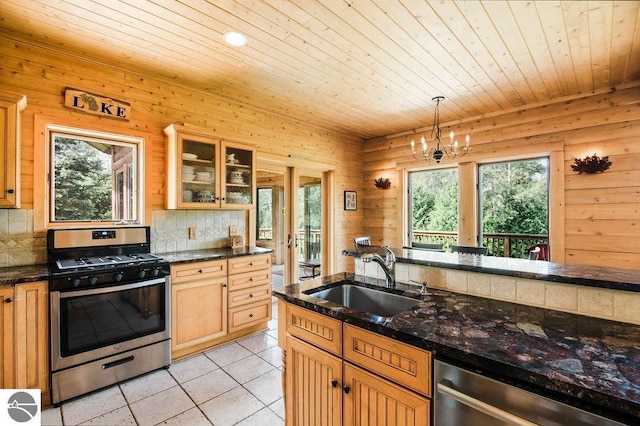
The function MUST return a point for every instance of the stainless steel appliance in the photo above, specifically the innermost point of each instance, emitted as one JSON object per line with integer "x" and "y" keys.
{"x": 109, "y": 308}
{"x": 466, "y": 398}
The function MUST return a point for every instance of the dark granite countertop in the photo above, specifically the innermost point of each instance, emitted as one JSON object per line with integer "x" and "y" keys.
{"x": 210, "y": 254}
{"x": 594, "y": 276}
{"x": 584, "y": 361}
{"x": 23, "y": 274}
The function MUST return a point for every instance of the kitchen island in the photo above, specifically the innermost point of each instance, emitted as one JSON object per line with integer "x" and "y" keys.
{"x": 583, "y": 361}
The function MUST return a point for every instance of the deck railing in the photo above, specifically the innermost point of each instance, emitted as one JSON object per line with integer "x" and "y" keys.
{"x": 503, "y": 245}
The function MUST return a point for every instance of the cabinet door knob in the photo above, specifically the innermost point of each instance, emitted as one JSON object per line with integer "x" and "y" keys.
{"x": 224, "y": 285}
{"x": 347, "y": 389}
{"x": 251, "y": 279}
{"x": 334, "y": 383}
{"x": 8, "y": 300}
{"x": 250, "y": 315}
{"x": 250, "y": 263}
{"x": 10, "y": 191}
{"x": 251, "y": 295}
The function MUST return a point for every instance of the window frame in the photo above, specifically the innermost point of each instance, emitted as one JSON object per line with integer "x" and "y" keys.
{"x": 43, "y": 172}
{"x": 528, "y": 157}
{"x": 409, "y": 201}
{"x": 467, "y": 187}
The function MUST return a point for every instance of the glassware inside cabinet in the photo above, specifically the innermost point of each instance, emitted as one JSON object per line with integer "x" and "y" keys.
{"x": 239, "y": 179}
{"x": 198, "y": 172}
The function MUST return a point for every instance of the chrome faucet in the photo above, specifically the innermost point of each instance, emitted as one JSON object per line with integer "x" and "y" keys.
{"x": 387, "y": 264}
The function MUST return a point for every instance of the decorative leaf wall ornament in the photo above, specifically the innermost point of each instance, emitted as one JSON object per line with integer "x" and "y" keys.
{"x": 592, "y": 164}
{"x": 382, "y": 183}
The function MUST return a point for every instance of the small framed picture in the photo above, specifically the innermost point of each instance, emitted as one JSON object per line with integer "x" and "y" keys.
{"x": 350, "y": 200}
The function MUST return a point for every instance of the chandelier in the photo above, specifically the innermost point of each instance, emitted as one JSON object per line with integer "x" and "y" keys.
{"x": 451, "y": 150}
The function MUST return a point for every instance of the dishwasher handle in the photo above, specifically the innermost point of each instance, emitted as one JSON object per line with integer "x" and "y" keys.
{"x": 444, "y": 387}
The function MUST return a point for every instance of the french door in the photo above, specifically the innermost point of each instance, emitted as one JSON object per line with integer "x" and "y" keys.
{"x": 302, "y": 219}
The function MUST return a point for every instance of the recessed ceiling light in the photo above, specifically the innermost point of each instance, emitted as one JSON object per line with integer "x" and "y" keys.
{"x": 234, "y": 38}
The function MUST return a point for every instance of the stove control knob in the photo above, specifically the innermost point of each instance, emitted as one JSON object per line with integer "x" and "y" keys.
{"x": 76, "y": 282}
{"x": 93, "y": 280}
{"x": 155, "y": 272}
{"x": 118, "y": 276}
{"x": 142, "y": 273}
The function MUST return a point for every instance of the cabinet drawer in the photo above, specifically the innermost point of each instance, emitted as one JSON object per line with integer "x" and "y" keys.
{"x": 323, "y": 332}
{"x": 399, "y": 362}
{"x": 195, "y": 271}
{"x": 249, "y": 279}
{"x": 249, "y": 263}
{"x": 248, "y": 315}
{"x": 249, "y": 295}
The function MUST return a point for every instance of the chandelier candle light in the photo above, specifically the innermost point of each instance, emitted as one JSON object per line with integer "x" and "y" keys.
{"x": 437, "y": 152}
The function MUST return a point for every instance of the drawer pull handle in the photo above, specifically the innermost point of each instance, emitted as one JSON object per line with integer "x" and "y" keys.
{"x": 251, "y": 295}
{"x": 250, "y": 315}
{"x": 250, "y": 263}
{"x": 117, "y": 363}
{"x": 200, "y": 271}
{"x": 347, "y": 389}
{"x": 334, "y": 383}
{"x": 251, "y": 279}
{"x": 8, "y": 300}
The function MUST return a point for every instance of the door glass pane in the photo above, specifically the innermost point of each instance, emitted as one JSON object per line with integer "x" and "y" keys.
{"x": 309, "y": 218}
{"x": 514, "y": 206}
{"x": 265, "y": 214}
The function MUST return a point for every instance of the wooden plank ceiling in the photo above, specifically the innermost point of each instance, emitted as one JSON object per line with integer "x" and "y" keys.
{"x": 365, "y": 68}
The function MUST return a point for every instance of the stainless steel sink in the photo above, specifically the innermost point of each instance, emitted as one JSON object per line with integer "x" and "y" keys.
{"x": 367, "y": 299}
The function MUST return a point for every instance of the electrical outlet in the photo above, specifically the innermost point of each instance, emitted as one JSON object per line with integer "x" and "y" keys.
{"x": 192, "y": 232}
{"x": 233, "y": 230}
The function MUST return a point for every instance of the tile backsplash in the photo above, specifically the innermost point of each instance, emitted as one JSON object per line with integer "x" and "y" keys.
{"x": 18, "y": 245}
{"x": 169, "y": 232}
{"x": 169, "y": 229}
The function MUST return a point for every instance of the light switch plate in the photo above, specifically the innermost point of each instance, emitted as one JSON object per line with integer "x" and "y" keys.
{"x": 192, "y": 232}
{"x": 233, "y": 230}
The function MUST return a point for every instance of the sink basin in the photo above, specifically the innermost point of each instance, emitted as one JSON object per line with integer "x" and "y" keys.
{"x": 367, "y": 299}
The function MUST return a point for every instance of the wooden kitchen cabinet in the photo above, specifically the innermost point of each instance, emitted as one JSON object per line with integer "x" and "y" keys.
{"x": 25, "y": 339}
{"x": 205, "y": 172}
{"x": 198, "y": 305}
{"x": 338, "y": 374}
{"x": 213, "y": 302}
{"x": 249, "y": 291}
{"x": 11, "y": 107}
{"x": 313, "y": 385}
{"x": 392, "y": 404}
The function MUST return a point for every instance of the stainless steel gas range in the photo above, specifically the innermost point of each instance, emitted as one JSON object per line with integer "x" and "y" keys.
{"x": 109, "y": 308}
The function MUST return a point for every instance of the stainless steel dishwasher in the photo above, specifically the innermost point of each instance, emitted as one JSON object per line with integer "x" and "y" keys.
{"x": 466, "y": 398}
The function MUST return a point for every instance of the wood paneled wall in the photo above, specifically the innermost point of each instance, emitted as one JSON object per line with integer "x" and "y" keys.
{"x": 597, "y": 217}
{"x": 42, "y": 75}
{"x": 599, "y": 223}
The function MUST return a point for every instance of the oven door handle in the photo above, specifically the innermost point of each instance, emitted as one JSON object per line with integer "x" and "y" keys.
{"x": 67, "y": 294}
{"x": 481, "y": 406}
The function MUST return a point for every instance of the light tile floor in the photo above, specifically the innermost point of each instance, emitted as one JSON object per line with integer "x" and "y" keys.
{"x": 234, "y": 384}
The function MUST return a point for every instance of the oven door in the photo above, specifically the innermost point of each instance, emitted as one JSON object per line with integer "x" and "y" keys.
{"x": 91, "y": 324}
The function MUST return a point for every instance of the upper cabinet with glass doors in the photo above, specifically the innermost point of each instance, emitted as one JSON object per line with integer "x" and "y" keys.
{"x": 239, "y": 174}
{"x": 204, "y": 172}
